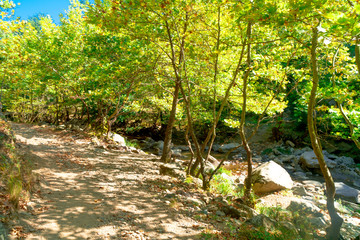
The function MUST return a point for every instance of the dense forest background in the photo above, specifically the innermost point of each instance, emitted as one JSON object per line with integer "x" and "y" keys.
{"x": 139, "y": 66}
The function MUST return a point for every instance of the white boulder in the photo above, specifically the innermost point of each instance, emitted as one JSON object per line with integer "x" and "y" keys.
{"x": 270, "y": 177}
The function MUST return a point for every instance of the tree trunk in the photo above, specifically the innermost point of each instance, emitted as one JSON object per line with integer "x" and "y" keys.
{"x": 333, "y": 232}
{"x": 243, "y": 118}
{"x": 166, "y": 154}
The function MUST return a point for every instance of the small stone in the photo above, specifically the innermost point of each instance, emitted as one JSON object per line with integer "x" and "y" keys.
{"x": 262, "y": 221}
{"x": 172, "y": 170}
{"x": 195, "y": 201}
{"x": 300, "y": 190}
{"x": 220, "y": 213}
{"x": 290, "y": 143}
{"x": 313, "y": 183}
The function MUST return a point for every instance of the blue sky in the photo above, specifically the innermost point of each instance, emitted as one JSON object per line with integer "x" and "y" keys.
{"x": 29, "y": 8}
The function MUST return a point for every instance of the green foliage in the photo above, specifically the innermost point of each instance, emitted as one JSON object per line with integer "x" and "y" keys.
{"x": 222, "y": 185}
{"x": 274, "y": 212}
{"x": 266, "y": 151}
{"x": 132, "y": 143}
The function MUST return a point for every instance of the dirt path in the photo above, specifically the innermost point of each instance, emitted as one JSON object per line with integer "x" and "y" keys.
{"x": 91, "y": 193}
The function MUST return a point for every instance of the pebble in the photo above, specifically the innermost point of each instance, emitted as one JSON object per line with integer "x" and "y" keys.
{"x": 220, "y": 213}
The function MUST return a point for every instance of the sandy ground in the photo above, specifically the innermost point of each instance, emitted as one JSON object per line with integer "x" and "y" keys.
{"x": 91, "y": 193}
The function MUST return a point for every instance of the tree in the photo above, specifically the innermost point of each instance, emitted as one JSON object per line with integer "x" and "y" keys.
{"x": 336, "y": 221}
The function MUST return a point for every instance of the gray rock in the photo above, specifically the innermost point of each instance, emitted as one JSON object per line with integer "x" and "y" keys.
{"x": 195, "y": 201}
{"x": 312, "y": 183}
{"x": 300, "y": 175}
{"x": 318, "y": 222}
{"x": 304, "y": 207}
{"x": 183, "y": 148}
{"x": 233, "y": 212}
{"x": 135, "y": 150}
{"x": 298, "y": 152}
{"x": 347, "y": 161}
{"x": 213, "y": 160}
{"x": 172, "y": 170}
{"x": 250, "y": 212}
{"x": 270, "y": 177}
{"x": 309, "y": 161}
{"x": 257, "y": 159}
{"x": 220, "y": 213}
{"x": 287, "y": 158}
{"x": 306, "y": 149}
{"x": 209, "y": 167}
{"x": 160, "y": 145}
{"x": 227, "y": 147}
{"x": 117, "y": 138}
{"x": 262, "y": 221}
{"x": 197, "y": 181}
{"x": 148, "y": 143}
{"x": 278, "y": 161}
{"x": 176, "y": 152}
{"x": 345, "y": 192}
{"x": 300, "y": 190}
{"x": 289, "y": 168}
{"x": 329, "y": 155}
{"x": 215, "y": 147}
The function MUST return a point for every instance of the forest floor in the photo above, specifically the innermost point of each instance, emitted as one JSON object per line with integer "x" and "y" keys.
{"x": 89, "y": 193}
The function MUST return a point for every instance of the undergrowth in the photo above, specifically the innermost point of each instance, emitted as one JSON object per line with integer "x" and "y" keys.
{"x": 16, "y": 178}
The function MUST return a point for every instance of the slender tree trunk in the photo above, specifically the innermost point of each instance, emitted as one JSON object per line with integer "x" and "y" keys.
{"x": 333, "y": 232}
{"x": 166, "y": 154}
{"x": 243, "y": 118}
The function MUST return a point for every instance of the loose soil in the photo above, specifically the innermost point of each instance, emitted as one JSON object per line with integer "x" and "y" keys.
{"x": 87, "y": 192}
